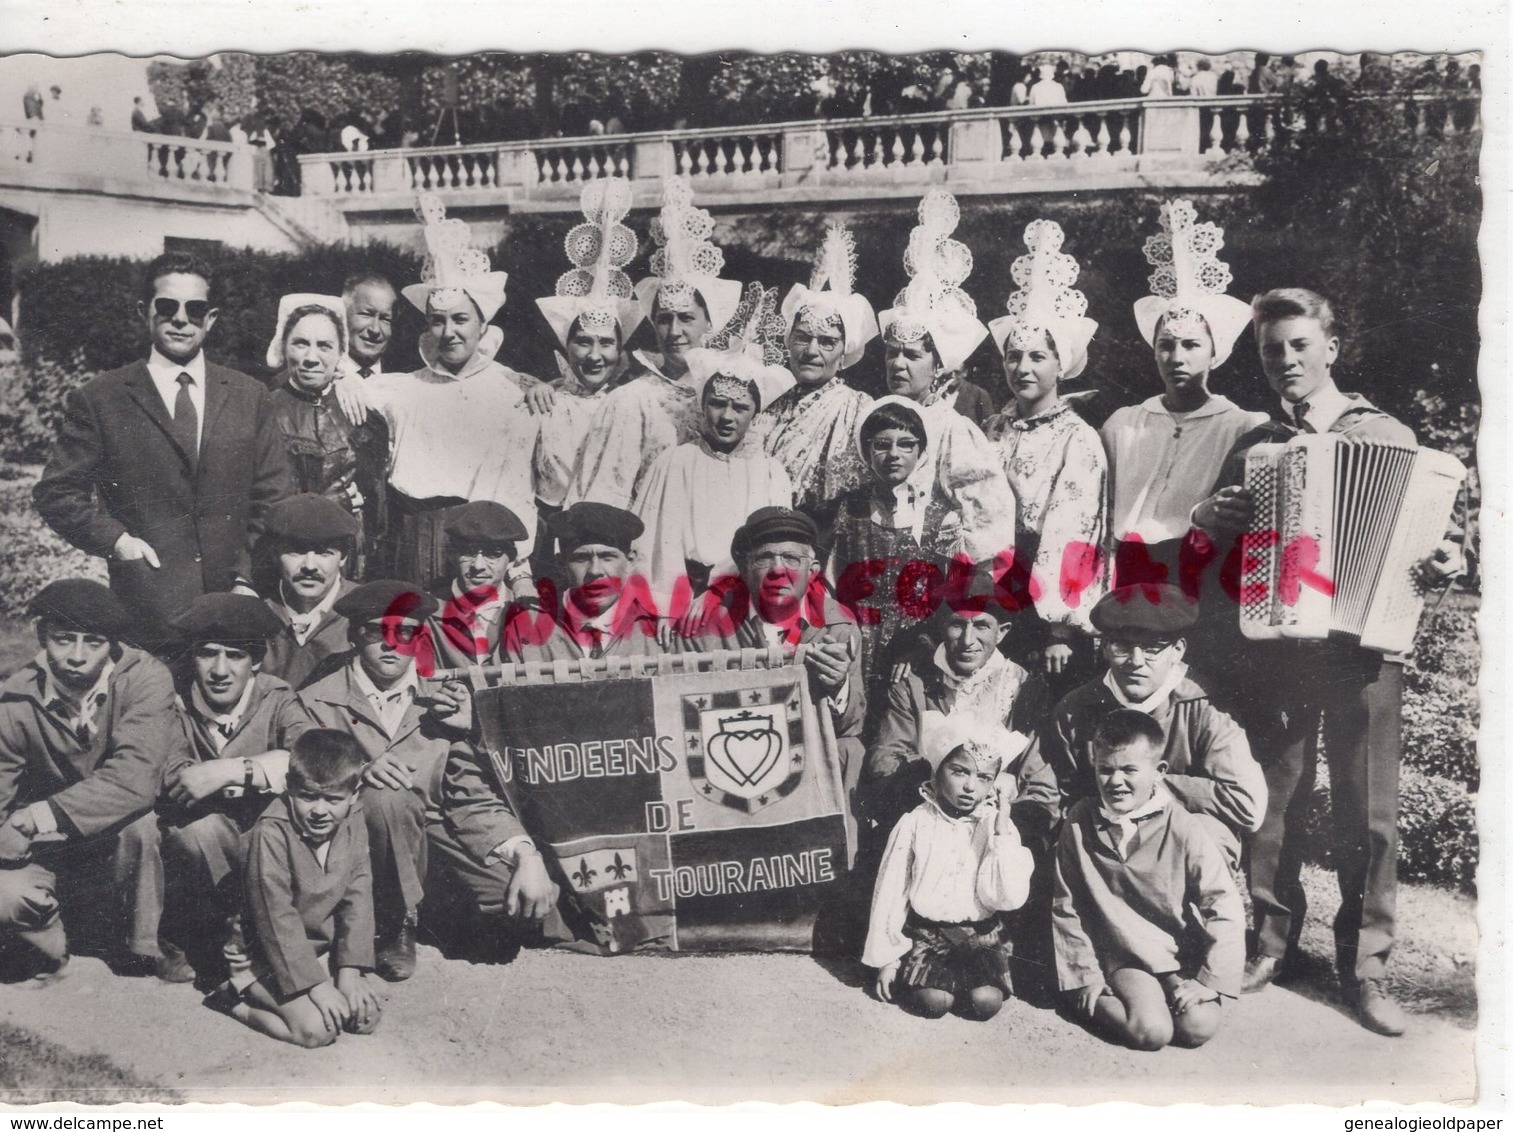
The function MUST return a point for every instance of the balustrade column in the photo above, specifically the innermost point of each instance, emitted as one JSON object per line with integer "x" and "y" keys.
{"x": 975, "y": 145}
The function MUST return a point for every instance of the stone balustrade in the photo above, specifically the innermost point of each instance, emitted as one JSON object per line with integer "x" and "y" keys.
{"x": 65, "y": 157}
{"x": 996, "y": 149}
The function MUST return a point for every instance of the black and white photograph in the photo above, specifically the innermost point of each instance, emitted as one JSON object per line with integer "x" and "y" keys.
{"x": 925, "y": 575}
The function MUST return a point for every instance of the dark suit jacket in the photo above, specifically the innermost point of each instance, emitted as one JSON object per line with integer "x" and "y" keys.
{"x": 117, "y": 469}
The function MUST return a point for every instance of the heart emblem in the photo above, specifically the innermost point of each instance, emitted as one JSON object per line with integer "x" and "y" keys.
{"x": 746, "y": 748}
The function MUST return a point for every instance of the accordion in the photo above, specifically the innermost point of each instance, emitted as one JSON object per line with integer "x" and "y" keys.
{"x": 1338, "y": 529}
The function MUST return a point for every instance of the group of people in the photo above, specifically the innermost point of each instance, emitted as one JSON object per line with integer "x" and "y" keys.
{"x": 259, "y": 741}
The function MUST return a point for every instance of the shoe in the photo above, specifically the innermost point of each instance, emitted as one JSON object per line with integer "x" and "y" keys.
{"x": 1376, "y": 1010}
{"x": 395, "y": 961}
{"x": 222, "y": 999}
{"x": 1259, "y": 973}
{"x": 173, "y": 966}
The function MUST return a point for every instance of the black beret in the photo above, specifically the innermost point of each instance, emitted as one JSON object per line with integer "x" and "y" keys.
{"x": 773, "y": 524}
{"x": 1160, "y": 610}
{"x": 83, "y": 606}
{"x": 596, "y": 523}
{"x": 226, "y": 617}
{"x": 484, "y": 522}
{"x": 386, "y": 597}
{"x": 981, "y": 597}
{"x": 309, "y": 519}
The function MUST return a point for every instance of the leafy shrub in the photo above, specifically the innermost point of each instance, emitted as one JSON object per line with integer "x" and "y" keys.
{"x": 30, "y": 554}
{"x": 31, "y": 398}
{"x": 1441, "y": 714}
{"x": 1436, "y": 825}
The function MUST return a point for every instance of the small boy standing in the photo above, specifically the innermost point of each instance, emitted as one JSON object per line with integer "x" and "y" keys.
{"x": 952, "y": 864}
{"x": 1131, "y": 866}
{"x": 306, "y": 938}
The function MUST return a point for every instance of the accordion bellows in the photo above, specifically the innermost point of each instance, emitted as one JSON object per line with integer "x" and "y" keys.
{"x": 1339, "y": 528}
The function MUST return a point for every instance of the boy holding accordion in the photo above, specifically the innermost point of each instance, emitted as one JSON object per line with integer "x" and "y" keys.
{"x": 1286, "y": 687}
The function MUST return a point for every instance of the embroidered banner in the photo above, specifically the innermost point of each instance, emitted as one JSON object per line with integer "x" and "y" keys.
{"x": 685, "y": 803}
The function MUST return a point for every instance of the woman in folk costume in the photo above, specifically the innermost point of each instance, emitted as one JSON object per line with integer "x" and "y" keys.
{"x": 684, "y": 299}
{"x": 593, "y": 315}
{"x": 1052, "y": 457}
{"x": 887, "y": 527}
{"x": 812, "y": 427}
{"x": 330, "y": 455}
{"x": 695, "y": 496}
{"x": 459, "y": 430}
{"x": 929, "y": 333}
{"x": 1165, "y": 453}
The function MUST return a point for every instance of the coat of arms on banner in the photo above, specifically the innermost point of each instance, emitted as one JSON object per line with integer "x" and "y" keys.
{"x": 745, "y": 748}
{"x": 605, "y": 880}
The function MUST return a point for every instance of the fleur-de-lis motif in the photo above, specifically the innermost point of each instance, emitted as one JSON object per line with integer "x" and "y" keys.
{"x": 619, "y": 869}
{"x": 583, "y": 874}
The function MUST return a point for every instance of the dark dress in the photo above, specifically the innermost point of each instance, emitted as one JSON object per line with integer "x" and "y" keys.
{"x": 331, "y": 456}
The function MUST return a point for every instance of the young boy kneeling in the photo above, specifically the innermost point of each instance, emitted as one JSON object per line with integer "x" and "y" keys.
{"x": 1130, "y": 866}
{"x": 306, "y": 932}
{"x": 952, "y": 864}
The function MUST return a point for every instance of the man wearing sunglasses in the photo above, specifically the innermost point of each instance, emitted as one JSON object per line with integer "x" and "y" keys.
{"x": 1212, "y": 771}
{"x": 165, "y": 467}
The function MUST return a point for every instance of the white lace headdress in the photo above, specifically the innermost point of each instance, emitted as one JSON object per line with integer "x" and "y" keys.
{"x": 596, "y": 292}
{"x": 830, "y": 299}
{"x": 1046, "y": 301}
{"x": 1189, "y": 283}
{"x": 933, "y": 302}
{"x": 452, "y": 264}
{"x": 987, "y": 740}
{"x": 747, "y": 350}
{"x": 686, "y": 260}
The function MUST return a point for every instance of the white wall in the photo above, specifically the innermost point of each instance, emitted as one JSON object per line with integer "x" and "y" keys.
{"x": 75, "y": 224}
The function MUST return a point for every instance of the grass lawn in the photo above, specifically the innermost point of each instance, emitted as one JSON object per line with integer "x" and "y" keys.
{"x": 35, "y": 1071}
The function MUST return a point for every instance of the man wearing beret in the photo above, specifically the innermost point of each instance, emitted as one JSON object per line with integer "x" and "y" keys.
{"x": 476, "y": 602}
{"x": 961, "y": 673}
{"x": 775, "y": 551}
{"x": 1211, "y": 771}
{"x": 374, "y": 695}
{"x": 605, "y": 610}
{"x": 85, "y": 730}
{"x": 239, "y": 722}
{"x": 306, "y": 546}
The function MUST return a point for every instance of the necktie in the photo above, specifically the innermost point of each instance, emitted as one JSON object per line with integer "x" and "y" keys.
{"x": 597, "y": 637}
{"x": 186, "y": 421}
{"x": 1300, "y": 414}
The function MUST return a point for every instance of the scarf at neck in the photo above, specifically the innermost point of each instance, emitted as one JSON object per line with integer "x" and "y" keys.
{"x": 1156, "y": 698}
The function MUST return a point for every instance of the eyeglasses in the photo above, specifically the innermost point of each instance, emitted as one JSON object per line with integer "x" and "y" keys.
{"x": 790, "y": 561}
{"x": 195, "y": 310}
{"x": 1150, "y": 649}
{"x": 903, "y": 444}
